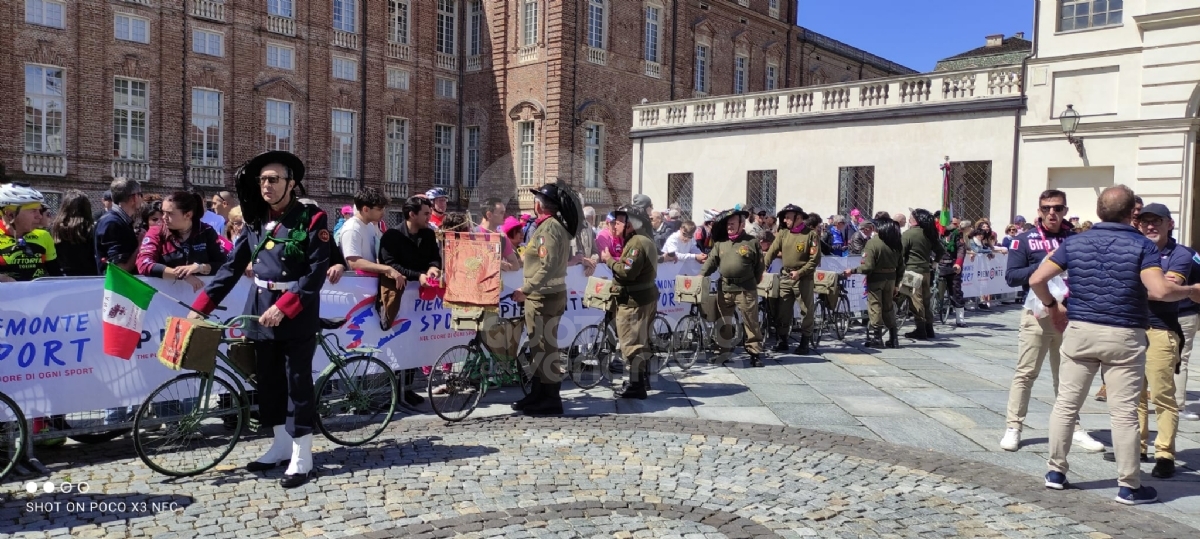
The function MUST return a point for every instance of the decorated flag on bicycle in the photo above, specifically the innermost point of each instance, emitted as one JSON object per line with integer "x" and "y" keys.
{"x": 472, "y": 262}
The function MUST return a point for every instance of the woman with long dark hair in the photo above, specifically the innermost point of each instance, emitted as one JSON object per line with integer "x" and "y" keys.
{"x": 883, "y": 267}
{"x": 73, "y": 230}
{"x": 920, "y": 246}
{"x": 182, "y": 247}
{"x": 149, "y": 217}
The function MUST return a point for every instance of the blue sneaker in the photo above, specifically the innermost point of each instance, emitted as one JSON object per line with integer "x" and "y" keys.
{"x": 1139, "y": 496}
{"x": 1056, "y": 480}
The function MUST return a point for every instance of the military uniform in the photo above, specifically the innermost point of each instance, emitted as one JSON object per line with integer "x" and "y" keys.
{"x": 801, "y": 254}
{"x": 289, "y": 256}
{"x": 916, "y": 255}
{"x": 740, "y": 261}
{"x": 883, "y": 269}
{"x": 637, "y": 302}
{"x": 545, "y": 288}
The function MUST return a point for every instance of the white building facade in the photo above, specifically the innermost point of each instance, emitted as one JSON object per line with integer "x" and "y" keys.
{"x": 1132, "y": 75}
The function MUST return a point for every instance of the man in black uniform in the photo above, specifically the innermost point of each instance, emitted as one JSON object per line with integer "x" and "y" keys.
{"x": 288, "y": 244}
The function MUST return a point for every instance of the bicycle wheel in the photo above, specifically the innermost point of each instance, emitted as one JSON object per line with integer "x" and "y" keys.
{"x": 687, "y": 343}
{"x": 525, "y": 369}
{"x": 822, "y": 325}
{"x": 842, "y": 318}
{"x": 14, "y": 435}
{"x": 590, "y": 353}
{"x": 180, "y": 429}
{"x": 456, "y": 382}
{"x": 660, "y": 344}
{"x": 356, "y": 400}
{"x": 903, "y": 311}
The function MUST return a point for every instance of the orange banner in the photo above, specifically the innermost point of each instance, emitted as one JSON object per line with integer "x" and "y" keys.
{"x": 472, "y": 268}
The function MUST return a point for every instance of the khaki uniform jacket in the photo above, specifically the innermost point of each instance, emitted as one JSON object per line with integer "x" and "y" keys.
{"x": 634, "y": 272}
{"x": 740, "y": 262}
{"x": 880, "y": 262}
{"x": 800, "y": 251}
{"x": 917, "y": 252}
{"x": 545, "y": 259}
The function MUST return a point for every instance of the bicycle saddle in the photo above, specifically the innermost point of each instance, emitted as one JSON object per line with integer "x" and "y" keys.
{"x": 332, "y": 323}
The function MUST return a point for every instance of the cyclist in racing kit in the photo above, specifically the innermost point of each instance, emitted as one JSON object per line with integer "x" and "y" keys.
{"x": 26, "y": 251}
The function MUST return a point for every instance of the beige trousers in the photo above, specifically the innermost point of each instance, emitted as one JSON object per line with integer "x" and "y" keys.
{"x": 1190, "y": 324}
{"x": 1162, "y": 351}
{"x": 542, "y": 315}
{"x": 746, "y": 303}
{"x": 1036, "y": 338}
{"x": 1120, "y": 353}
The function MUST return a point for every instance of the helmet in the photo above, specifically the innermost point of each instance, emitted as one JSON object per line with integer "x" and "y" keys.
{"x": 634, "y": 215}
{"x": 711, "y": 215}
{"x": 13, "y": 194}
{"x": 435, "y": 193}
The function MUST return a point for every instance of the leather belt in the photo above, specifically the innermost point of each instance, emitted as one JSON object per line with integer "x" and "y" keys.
{"x": 289, "y": 286}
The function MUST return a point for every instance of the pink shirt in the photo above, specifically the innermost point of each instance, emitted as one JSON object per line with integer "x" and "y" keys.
{"x": 605, "y": 240}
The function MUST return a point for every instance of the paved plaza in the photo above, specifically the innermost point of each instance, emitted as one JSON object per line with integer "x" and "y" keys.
{"x": 848, "y": 443}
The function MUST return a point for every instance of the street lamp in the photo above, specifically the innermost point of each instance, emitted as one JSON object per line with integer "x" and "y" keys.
{"x": 1070, "y": 122}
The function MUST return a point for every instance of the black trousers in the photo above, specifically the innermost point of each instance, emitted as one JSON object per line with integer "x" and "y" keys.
{"x": 951, "y": 286}
{"x": 285, "y": 384}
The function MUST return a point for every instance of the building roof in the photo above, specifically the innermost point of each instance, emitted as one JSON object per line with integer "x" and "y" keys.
{"x": 1011, "y": 50}
{"x": 854, "y": 53}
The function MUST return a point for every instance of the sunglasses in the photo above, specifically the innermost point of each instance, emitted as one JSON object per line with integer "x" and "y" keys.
{"x": 1057, "y": 208}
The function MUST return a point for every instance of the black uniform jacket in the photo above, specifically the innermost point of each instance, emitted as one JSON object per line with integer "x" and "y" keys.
{"x": 301, "y": 304}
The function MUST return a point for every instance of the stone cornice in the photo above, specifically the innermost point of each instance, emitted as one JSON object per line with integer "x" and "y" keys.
{"x": 1000, "y": 104}
{"x": 1108, "y": 128}
{"x": 1168, "y": 19}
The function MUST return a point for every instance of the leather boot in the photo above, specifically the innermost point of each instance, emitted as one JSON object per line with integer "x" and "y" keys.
{"x": 918, "y": 333}
{"x": 535, "y": 392}
{"x": 549, "y": 402}
{"x": 278, "y": 454}
{"x": 893, "y": 340}
{"x": 301, "y": 468}
{"x": 755, "y": 360}
{"x": 874, "y": 338}
{"x": 929, "y": 331}
{"x": 803, "y": 348}
{"x": 636, "y": 389}
{"x": 781, "y": 345}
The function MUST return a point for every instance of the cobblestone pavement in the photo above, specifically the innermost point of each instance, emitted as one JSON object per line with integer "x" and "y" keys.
{"x": 848, "y": 444}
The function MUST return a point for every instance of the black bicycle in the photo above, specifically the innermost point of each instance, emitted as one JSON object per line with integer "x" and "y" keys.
{"x": 14, "y": 435}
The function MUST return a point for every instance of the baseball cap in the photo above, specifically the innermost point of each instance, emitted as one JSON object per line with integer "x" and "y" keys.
{"x": 1155, "y": 208}
{"x": 347, "y": 210}
{"x": 107, "y": 196}
{"x": 642, "y": 201}
{"x": 1019, "y": 220}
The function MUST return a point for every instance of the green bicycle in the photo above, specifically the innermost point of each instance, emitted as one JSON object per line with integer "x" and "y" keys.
{"x": 14, "y": 435}
{"x": 191, "y": 422}
{"x": 463, "y": 374}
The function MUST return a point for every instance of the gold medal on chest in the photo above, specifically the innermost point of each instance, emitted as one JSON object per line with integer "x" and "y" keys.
{"x": 270, "y": 245}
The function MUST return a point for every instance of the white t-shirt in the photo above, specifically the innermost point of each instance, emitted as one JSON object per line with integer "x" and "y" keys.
{"x": 684, "y": 250}
{"x": 359, "y": 239}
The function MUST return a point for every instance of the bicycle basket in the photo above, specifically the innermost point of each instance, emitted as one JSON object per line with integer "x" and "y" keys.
{"x": 825, "y": 283}
{"x": 600, "y": 294}
{"x": 190, "y": 344}
{"x": 466, "y": 318}
{"x": 769, "y": 287}
{"x": 241, "y": 355}
{"x": 691, "y": 288}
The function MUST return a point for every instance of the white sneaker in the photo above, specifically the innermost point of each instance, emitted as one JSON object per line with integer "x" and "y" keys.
{"x": 1011, "y": 440}
{"x": 1189, "y": 416}
{"x": 1084, "y": 441}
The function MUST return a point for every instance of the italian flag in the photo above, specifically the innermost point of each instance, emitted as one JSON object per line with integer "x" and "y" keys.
{"x": 126, "y": 299}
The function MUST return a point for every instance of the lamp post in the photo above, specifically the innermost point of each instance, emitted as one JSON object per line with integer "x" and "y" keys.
{"x": 1070, "y": 122}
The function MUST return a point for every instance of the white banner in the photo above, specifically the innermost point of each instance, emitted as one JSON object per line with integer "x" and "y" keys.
{"x": 51, "y": 358}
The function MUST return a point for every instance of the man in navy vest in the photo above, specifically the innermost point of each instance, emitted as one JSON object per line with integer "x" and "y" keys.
{"x": 1115, "y": 270}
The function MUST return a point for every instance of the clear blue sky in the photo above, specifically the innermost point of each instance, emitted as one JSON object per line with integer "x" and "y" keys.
{"x": 916, "y": 33}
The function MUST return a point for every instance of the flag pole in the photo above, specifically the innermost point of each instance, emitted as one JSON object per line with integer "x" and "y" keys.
{"x": 160, "y": 292}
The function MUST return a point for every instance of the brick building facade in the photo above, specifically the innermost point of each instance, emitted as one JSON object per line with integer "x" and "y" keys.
{"x": 479, "y": 97}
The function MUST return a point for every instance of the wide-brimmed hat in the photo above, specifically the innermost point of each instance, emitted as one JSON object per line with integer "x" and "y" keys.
{"x": 510, "y": 223}
{"x": 635, "y": 216}
{"x": 254, "y": 208}
{"x": 570, "y": 207}
{"x": 719, "y": 231}
{"x": 790, "y": 208}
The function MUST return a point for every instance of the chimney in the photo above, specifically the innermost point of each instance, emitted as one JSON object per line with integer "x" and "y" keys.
{"x": 995, "y": 40}
{"x": 1019, "y": 35}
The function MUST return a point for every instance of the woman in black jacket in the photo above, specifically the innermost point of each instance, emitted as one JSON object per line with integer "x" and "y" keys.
{"x": 72, "y": 230}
